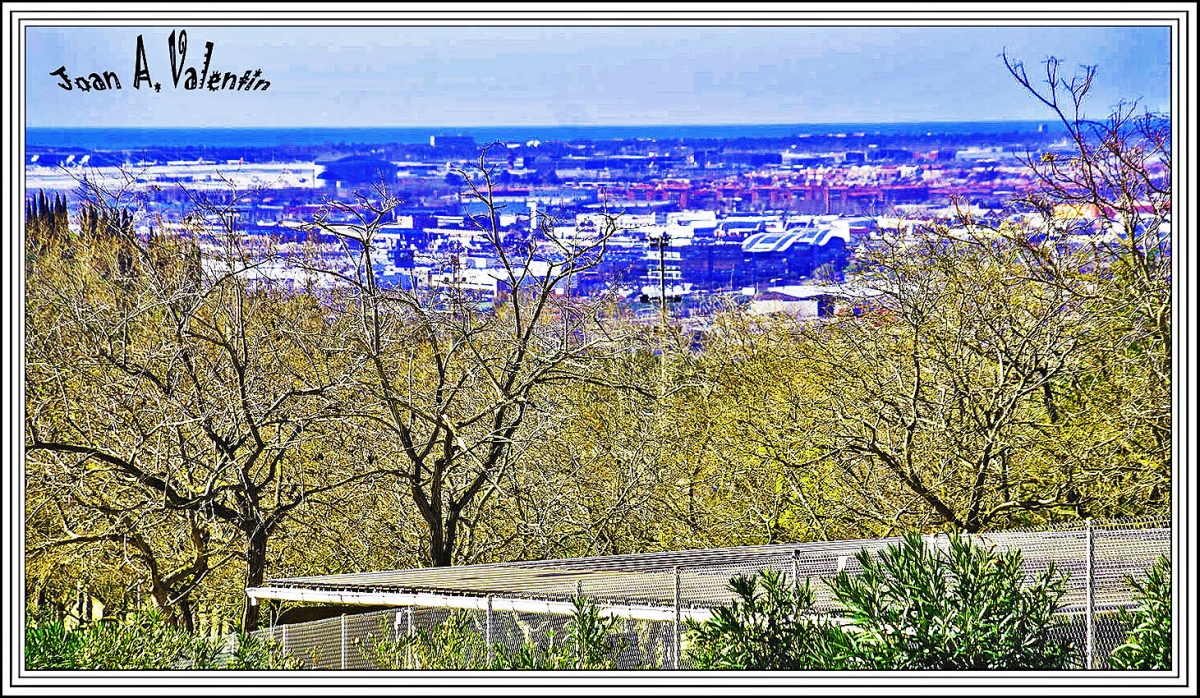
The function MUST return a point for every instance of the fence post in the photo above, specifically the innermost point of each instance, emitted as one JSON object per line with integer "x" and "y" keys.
{"x": 1090, "y": 582}
{"x": 675, "y": 624}
{"x": 796, "y": 570}
{"x": 488, "y": 631}
{"x": 578, "y": 640}
{"x": 284, "y": 641}
{"x": 343, "y": 640}
{"x": 408, "y": 645}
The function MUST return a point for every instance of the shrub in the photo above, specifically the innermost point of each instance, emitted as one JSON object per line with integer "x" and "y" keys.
{"x": 144, "y": 641}
{"x": 590, "y": 636}
{"x": 48, "y": 643}
{"x": 452, "y": 644}
{"x": 548, "y": 656}
{"x": 964, "y": 607}
{"x": 258, "y": 653}
{"x": 769, "y": 628}
{"x": 455, "y": 643}
{"x": 1148, "y": 645}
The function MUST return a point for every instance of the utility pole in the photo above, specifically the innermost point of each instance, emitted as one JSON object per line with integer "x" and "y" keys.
{"x": 661, "y": 243}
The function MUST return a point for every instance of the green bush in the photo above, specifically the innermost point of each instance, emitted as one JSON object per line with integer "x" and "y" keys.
{"x": 965, "y": 607}
{"x": 259, "y": 654}
{"x": 48, "y": 643}
{"x": 455, "y": 643}
{"x": 452, "y": 644}
{"x": 1148, "y": 645}
{"x": 587, "y": 644}
{"x": 911, "y": 607}
{"x": 144, "y": 641}
{"x": 533, "y": 656}
{"x": 589, "y": 636}
{"x": 770, "y": 625}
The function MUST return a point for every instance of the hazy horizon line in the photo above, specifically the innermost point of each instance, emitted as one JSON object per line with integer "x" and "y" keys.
{"x": 599, "y": 125}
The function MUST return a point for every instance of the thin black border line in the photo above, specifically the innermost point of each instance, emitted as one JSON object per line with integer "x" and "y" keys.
{"x": 17, "y": 139}
{"x": 724, "y": 13}
{"x": 1180, "y": 136}
{"x": 425, "y": 24}
{"x": 1177, "y": 123}
{"x": 22, "y": 143}
{"x": 539, "y": 683}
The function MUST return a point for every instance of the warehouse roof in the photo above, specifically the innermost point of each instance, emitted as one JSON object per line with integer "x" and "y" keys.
{"x": 782, "y": 242}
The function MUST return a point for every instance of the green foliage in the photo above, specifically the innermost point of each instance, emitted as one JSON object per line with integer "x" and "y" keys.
{"x": 145, "y": 641}
{"x": 259, "y": 653}
{"x": 46, "y": 221}
{"x": 1148, "y": 645}
{"x": 452, "y": 644}
{"x": 534, "y": 656}
{"x": 588, "y": 634}
{"x": 911, "y": 608}
{"x": 769, "y": 628}
{"x": 48, "y": 643}
{"x": 587, "y": 644}
{"x": 964, "y": 607}
{"x": 456, "y": 643}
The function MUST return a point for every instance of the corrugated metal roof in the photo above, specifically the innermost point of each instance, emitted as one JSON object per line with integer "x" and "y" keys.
{"x": 648, "y": 579}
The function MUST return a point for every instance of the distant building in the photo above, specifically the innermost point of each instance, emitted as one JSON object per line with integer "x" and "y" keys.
{"x": 714, "y": 266}
{"x": 794, "y": 255}
{"x": 753, "y": 159}
{"x": 891, "y": 155}
{"x": 455, "y": 142}
{"x": 355, "y": 170}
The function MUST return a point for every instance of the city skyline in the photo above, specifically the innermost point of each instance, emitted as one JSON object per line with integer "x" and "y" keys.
{"x": 475, "y": 76}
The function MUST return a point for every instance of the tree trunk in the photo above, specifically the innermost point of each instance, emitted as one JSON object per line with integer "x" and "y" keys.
{"x": 186, "y": 616}
{"x": 451, "y": 536}
{"x": 256, "y": 567}
{"x": 441, "y": 532}
{"x": 441, "y": 544}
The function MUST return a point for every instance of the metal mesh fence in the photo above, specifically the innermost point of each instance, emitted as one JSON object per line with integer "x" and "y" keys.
{"x": 1107, "y": 630}
{"x": 448, "y": 639}
{"x": 652, "y": 594}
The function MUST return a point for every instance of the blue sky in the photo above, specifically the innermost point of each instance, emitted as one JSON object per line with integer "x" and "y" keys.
{"x": 472, "y": 76}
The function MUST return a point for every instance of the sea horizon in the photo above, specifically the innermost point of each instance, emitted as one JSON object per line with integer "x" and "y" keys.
{"x": 133, "y": 137}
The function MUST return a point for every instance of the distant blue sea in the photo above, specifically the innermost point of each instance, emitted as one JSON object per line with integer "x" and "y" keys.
{"x": 134, "y": 138}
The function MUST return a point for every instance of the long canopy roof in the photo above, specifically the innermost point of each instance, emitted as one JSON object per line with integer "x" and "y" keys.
{"x": 652, "y": 585}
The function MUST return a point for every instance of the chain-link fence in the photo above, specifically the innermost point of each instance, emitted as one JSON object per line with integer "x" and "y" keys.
{"x": 413, "y": 638}
{"x": 517, "y": 614}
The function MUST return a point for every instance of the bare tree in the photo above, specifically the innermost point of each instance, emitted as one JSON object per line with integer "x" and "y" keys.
{"x": 1018, "y": 371}
{"x": 931, "y": 404}
{"x": 1106, "y": 198}
{"x": 172, "y": 380}
{"x": 452, "y": 389}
